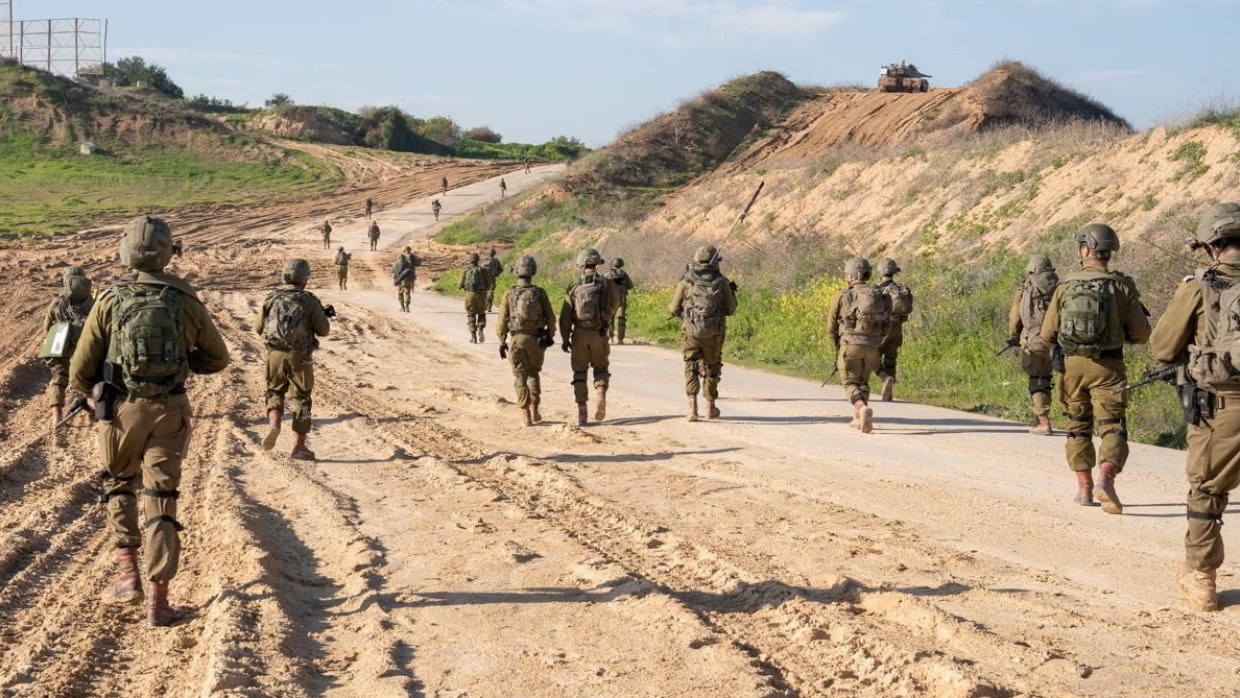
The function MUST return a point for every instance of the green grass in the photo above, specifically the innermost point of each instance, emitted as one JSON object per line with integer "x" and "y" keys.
{"x": 47, "y": 189}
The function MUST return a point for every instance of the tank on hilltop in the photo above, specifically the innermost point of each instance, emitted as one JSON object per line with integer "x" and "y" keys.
{"x": 902, "y": 77}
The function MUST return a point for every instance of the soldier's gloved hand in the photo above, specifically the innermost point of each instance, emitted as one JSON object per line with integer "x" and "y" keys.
{"x": 330, "y": 311}
{"x": 1013, "y": 341}
{"x": 503, "y": 351}
{"x": 566, "y": 347}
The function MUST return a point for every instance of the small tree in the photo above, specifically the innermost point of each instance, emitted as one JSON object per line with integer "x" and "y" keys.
{"x": 133, "y": 70}
{"x": 484, "y": 134}
{"x": 440, "y": 129}
{"x": 278, "y": 99}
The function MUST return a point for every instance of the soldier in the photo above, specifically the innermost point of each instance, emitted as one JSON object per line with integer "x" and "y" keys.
{"x": 62, "y": 325}
{"x": 143, "y": 338}
{"x": 1194, "y": 333}
{"x": 342, "y": 268}
{"x": 526, "y": 310}
{"x": 327, "y": 235}
{"x": 503, "y": 188}
{"x": 475, "y": 282}
{"x": 495, "y": 268}
{"x": 1092, "y": 343}
{"x": 703, "y": 300}
{"x": 369, "y": 206}
{"x": 901, "y": 307}
{"x": 290, "y": 323}
{"x": 624, "y": 283}
{"x": 584, "y": 318}
{"x": 444, "y": 185}
{"x": 373, "y": 235}
{"x": 527, "y": 165}
{"x": 1025, "y": 329}
{"x": 435, "y": 206}
{"x": 860, "y": 315}
{"x": 405, "y": 273}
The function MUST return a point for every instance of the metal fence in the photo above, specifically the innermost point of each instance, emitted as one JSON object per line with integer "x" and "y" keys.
{"x": 73, "y": 46}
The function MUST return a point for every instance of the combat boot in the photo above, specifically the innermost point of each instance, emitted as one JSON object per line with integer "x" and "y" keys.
{"x": 600, "y": 409}
{"x": 473, "y": 337}
{"x": 480, "y": 340}
{"x": 127, "y": 587}
{"x": 300, "y": 450}
{"x": 1199, "y": 589}
{"x": 712, "y": 412}
{"x": 1085, "y": 489}
{"x": 888, "y": 382}
{"x": 159, "y": 614}
{"x": 1042, "y": 427}
{"x": 693, "y": 413}
{"x": 526, "y": 417}
{"x": 1104, "y": 491}
{"x": 582, "y": 414}
{"x": 856, "y": 420}
{"x": 273, "y": 429}
{"x": 535, "y": 414}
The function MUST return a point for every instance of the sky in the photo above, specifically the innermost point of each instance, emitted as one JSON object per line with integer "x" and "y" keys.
{"x": 532, "y": 70}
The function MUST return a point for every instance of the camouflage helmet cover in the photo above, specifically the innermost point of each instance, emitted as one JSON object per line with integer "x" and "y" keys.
{"x": 491, "y": 252}
{"x": 706, "y": 254}
{"x": 77, "y": 287}
{"x": 525, "y": 267}
{"x": 1218, "y": 222}
{"x": 857, "y": 268}
{"x": 296, "y": 271}
{"x": 146, "y": 244}
{"x": 888, "y": 267}
{"x": 1099, "y": 237}
{"x": 617, "y": 262}
{"x": 589, "y": 257}
{"x": 74, "y": 271}
{"x": 1039, "y": 262}
{"x": 473, "y": 258}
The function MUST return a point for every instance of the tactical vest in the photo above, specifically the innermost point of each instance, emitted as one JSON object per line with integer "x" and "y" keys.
{"x": 525, "y": 309}
{"x": 473, "y": 279}
{"x": 702, "y": 314}
{"x": 589, "y": 296}
{"x": 342, "y": 258}
{"x": 286, "y": 325}
{"x": 1089, "y": 321}
{"x": 147, "y": 339}
{"x": 1215, "y": 363}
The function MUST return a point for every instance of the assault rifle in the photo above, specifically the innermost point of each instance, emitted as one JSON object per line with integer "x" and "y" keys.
{"x": 744, "y": 212}
{"x": 1006, "y": 347}
{"x": 831, "y": 375}
{"x": 1165, "y": 374}
{"x": 74, "y": 407}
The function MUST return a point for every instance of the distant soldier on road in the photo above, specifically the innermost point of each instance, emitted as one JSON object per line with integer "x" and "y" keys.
{"x": 435, "y": 207}
{"x": 62, "y": 326}
{"x": 373, "y": 235}
{"x": 370, "y": 205}
{"x": 342, "y": 268}
{"x": 444, "y": 184}
{"x": 527, "y": 164}
{"x": 475, "y": 282}
{"x": 860, "y": 315}
{"x": 327, "y": 235}
{"x": 526, "y": 311}
{"x": 405, "y": 275}
{"x": 495, "y": 268}
{"x": 143, "y": 338}
{"x": 703, "y": 300}
{"x": 589, "y": 304}
{"x": 1025, "y": 331}
{"x": 1093, "y": 313}
{"x": 624, "y": 283}
{"x": 290, "y": 323}
{"x": 901, "y": 307}
{"x": 503, "y": 188}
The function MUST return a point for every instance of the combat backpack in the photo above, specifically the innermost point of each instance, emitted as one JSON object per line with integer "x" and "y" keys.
{"x": 901, "y": 300}
{"x": 342, "y": 258}
{"x": 869, "y": 311}
{"x": 590, "y": 301}
{"x": 621, "y": 279}
{"x": 1035, "y": 299}
{"x": 148, "y": 339}
{"x": 474, "y": 280}
{"x": 703, "y": 311}
{"x": 286, "y": 326}
{"x": 525, "y": 309}
{"x": 1215, "y": 365}
{"x": 1089, "y": 317}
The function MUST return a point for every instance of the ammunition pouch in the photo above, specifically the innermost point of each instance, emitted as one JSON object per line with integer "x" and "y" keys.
{"x": 1057, "y": 360}
{"x": 1196, "y": 403}
{"x": 544, "y": 338}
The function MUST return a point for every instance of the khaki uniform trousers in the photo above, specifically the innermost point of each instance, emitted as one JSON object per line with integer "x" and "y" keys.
{"x": 889, "y": 350}
{"x": 589, "y": 348}
{"x": 1035, "y": 360}
{"x": 1213, "y": 472}
{"x": 1088, "y": 397}
{"x": 142, "y": 449}
{"x": 476, "y": 310}
{"x": 58, "y": 383}
{"x": 856, "y": 363}
{"x": 342, "y": 275}
{"x": 526, "y": 358}
{"x": 291, "y": 371}
{"x": 703, "y": 364}
{"x": 404, "y": 292}
{"x": 621, "y": 319}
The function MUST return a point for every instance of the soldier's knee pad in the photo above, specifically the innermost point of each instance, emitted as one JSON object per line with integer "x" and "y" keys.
{"x": 1212, "y": 505}
{"x": 1113, "y": 427}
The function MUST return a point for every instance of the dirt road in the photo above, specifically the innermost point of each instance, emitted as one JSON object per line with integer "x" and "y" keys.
{"x": 440, "y": 549}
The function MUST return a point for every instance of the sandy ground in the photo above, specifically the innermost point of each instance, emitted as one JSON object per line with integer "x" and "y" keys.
{"x": 438, "y": 548}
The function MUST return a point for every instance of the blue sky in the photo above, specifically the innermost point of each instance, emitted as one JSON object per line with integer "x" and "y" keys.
{"x": 536, "y": 69}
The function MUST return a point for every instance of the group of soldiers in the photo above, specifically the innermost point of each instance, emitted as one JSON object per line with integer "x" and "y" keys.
{"x": 132, "y": 347}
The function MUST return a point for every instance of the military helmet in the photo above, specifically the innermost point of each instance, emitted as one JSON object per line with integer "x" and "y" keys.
{"x": 408, "y": 248}
{"x": 888, "y": 267}
{"x": 77, "y": 287}
{"x": 1099, "y": 237}
{"x": 1218, "y": 222}
{"x": 706, "y": 254}
{"x": 74, "y": 271}
{"x": 857, "y": 268}
{"x": 473, "y": 258}
{"x": 1039, "y": 262}
{"x": 617, "y": 262}
{"x": 146, "y": 244}
{"x": 491, "y": 252}
{"x": 525, "y": 267}
{"x": 589, "y": 257}
{"x": 296, "y": 271}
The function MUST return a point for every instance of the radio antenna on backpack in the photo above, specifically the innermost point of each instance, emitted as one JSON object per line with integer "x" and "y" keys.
{"x": 744, "y": 212}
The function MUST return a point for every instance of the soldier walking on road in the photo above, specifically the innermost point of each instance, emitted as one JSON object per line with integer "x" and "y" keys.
{"x": 405, "y": 275}
{"x": 373, "y": 235}
{"x": 143, "y": 338}
{"x": 527, "y": 165}
{"x": 475, "y": 282}
{"x": 624, "y": 283}
{"x": 860, "y": 315}
{"x": 290, "y": 323}
{"x": 1199, "y": 332}
{"x": 444, "y": 184}
{"x": 526, "y": 311}
{"x": 584, "y": 319}
{"x": 1025, "y": 330}
{"x": 435, "y": 207}
{"x": 1092, "y": 314}
{"x": 342, "y": 268}
{"x": 369, "y": 207}
{"x": 503, "y": 188}
{"x": 703, "y": 300}
{"x": 495, "y": 268}
{"x": 901, "y": 308}
{"x": 326, "y": 229}
{"x": 62, "y": 326}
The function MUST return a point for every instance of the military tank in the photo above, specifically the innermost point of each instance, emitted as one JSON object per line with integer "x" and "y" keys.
{"x": 902, "y": 77}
